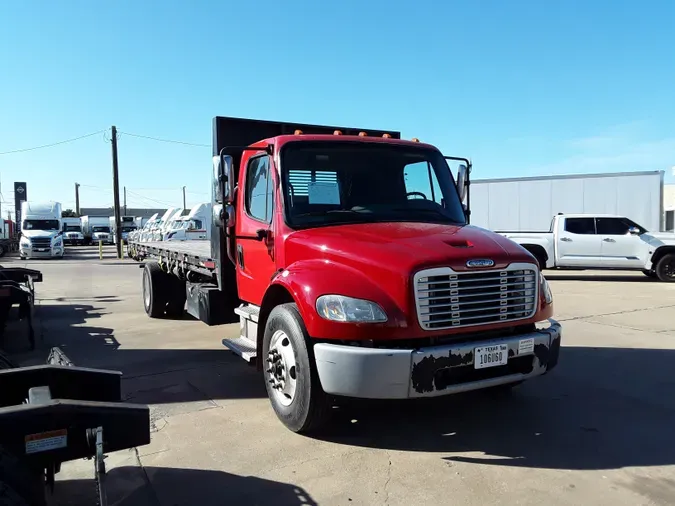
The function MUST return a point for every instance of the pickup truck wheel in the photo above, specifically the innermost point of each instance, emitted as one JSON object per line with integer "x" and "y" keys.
{"x": 649, "y": 274}
{"x": 154, "y": 290}
{"x": 291, "y": 378}
{"x": 665, "y": 268}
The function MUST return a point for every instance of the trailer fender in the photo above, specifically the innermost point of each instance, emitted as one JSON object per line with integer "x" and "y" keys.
{"x": 303, "y": 282}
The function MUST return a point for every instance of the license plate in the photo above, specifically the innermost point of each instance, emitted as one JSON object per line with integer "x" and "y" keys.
{"x": 490, "y": 356}
{"x": 41, "y": 249}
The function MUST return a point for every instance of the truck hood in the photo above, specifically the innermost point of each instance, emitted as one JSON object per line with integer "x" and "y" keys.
{"x": 662, "y": 237}
{"x": 39, "y": 233}
{"x": 402, "y": 248}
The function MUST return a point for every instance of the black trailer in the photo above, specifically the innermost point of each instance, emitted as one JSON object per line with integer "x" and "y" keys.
{"x": 17, "y": 288}
{"x": 54, "y": 413}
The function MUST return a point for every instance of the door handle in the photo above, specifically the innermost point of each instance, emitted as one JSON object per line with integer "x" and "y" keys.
{"x": 608, "y": 239}
{"x": 566, "y": 239}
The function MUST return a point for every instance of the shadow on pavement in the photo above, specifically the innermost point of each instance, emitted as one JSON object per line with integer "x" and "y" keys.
{"x": 621, "y": 278}
{"x": 602, "y": 408}
{"x": 128, "y": 486}
{"x": 151, "y": 376}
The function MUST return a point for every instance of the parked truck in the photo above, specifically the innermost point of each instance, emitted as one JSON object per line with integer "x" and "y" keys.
{"x": 41, "y": 230}
{"x": 196, "y": 225}
{"x": 95, "y": 229}
{"x": 127, "y": 225}
{"x": 72, "y": 231}
{"x": 347, "y": 256}
{"x": 601, "y": 241}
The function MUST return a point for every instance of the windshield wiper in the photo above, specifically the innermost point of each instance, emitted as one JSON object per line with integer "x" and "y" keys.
{"x": 425, "y": 210}
{"x": 330, "y": 211}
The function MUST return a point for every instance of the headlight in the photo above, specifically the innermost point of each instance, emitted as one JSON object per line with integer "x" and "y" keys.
{"x": 57, "y": 241}
{"x": 25, "y": 241}
{"x": 546, "y": 289}
{"x": 340, "y": 308}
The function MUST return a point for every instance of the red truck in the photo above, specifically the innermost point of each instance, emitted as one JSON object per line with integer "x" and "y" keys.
{"x": 348, "y": 258}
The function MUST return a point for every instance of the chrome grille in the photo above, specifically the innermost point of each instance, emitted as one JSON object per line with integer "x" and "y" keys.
{"x": 448, "y": 299}
{"x": 41, "y": 242}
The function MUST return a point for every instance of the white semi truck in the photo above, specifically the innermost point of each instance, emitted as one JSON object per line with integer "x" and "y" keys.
{"x": 41, "y": 230}
{"x": 96, "y": 228}
{"x": 196, "y": 225}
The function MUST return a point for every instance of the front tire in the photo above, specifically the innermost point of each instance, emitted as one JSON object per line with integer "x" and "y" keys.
{"x": 665, "y": 268}
{"x": 154, "y": 290}
{"x": 291, "y": 378}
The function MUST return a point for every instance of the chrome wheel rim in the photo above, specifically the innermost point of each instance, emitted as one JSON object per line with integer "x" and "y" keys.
{"x": 146, "y": 290}
{"x": 281, "y": 369}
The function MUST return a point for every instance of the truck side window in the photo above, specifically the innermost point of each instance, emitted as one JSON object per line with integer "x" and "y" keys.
{"x": 612, "y": 226}
{"x": 580, "y": 226}
{"x": 420, "y": 177}
{"x": 259, "y": 197}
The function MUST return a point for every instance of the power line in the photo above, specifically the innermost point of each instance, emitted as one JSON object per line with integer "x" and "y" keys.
{"x": 148, "y": 198}
{"x": 53, "y": 144}
{"x": 166, "y": 140}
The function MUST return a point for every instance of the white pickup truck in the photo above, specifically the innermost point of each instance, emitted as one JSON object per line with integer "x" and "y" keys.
{"x": 601, "y": 241}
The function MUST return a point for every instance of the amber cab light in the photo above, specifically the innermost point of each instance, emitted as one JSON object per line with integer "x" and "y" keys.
{"x": 297, "y": 132}
{"x": 415, "y": 139}
{"x": 362, "y": 134}
{"x": 337, "y": 132}
{"x": 386, "y": 136}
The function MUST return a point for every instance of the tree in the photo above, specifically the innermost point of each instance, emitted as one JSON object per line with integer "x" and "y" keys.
{"x": 68, "y": 213}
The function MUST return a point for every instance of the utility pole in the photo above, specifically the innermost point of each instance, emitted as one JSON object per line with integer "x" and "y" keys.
{"x": 125, "y": 201}
{"x": 77, "y": 199}
{"x": 183, "y": 197}
{"x": 116, "y": 196}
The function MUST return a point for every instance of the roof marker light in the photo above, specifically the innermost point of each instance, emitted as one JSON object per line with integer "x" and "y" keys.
{"x": 297, "y": 132}
{"x": 386, "y": 136}
{"x": 337, "y": 132}
{"x": 363, "y": 134}
{"x": 415, "y": 139}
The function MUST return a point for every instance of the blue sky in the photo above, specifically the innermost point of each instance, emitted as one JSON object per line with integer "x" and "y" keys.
{"x": 521, "y": 87}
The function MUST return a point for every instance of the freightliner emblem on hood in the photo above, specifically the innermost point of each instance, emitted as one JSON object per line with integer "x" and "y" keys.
{"x": 480, "y": 262}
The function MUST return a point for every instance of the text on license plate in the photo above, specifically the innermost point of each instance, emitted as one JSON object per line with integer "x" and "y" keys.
{"x": 490, "y": 356}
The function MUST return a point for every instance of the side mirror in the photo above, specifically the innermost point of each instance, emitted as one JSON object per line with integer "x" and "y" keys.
{"x": 226, "y": 164}
{"x": 634, "y": 231}
{"x": 461, "y": 182}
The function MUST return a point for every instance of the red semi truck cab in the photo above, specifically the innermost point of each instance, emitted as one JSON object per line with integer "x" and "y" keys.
{"x": 355, "y": 273}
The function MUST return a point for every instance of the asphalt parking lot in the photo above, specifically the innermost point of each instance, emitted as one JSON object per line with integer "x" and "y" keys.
{"x": 598, "y": 430}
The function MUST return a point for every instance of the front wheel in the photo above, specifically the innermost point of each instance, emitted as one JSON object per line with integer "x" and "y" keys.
{"x": 665, "y": 268}
{"x": 291, "y": 378}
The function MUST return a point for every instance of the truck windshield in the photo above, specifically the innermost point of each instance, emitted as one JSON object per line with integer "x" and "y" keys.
{"x": 72, "y": 228}
{"x": 330, "y": 183}
{"x": 101, "y": 229}
{"x": 40, "y": 225}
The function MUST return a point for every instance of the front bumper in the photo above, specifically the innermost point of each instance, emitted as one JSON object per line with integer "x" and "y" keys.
{"x": 374, "y": 373}
{"x": 30, "y": 252}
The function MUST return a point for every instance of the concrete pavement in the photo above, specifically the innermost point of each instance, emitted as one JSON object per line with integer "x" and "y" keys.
{"x": 597, "y": 430}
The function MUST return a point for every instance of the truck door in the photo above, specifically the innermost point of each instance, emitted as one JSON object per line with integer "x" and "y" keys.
{"x": 254, "y": 250}
{"x": 577, "y": 243}
{"x": 620, "y": 249}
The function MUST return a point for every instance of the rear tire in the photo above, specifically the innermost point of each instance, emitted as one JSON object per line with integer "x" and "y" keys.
{"x": 307, "y": 409}
{"x": 155, "y": 293}
{"x": 665, "y": 268}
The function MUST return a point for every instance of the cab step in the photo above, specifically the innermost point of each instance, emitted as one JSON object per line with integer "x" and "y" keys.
{"x": 243, "y": 347}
